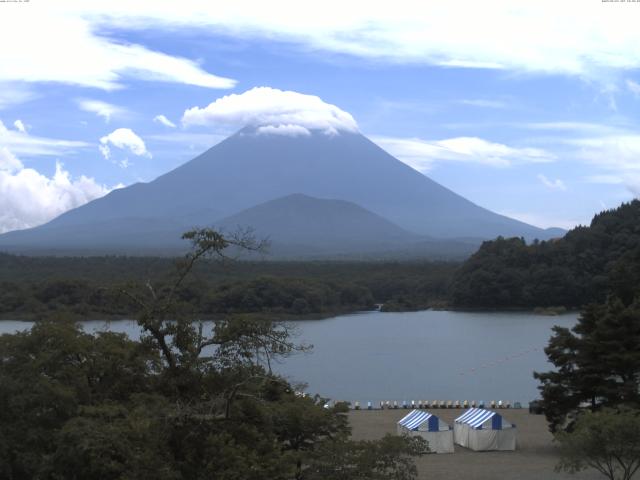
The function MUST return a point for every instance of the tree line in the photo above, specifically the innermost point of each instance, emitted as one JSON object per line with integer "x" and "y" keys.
{"x": 582, "y": 267}
{"x": 37, "y": 287}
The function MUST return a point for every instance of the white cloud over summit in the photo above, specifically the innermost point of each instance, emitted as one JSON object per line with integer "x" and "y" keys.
{"x": 287, "y": 130}
{"x": 287, "y": 112}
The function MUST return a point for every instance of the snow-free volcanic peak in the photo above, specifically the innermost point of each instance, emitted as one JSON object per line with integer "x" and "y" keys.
{"x": 248, "y": 169}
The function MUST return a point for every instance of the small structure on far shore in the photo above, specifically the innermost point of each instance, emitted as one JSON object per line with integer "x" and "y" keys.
{"x": 431, "y": 428}
{"x": 481, "y": 430}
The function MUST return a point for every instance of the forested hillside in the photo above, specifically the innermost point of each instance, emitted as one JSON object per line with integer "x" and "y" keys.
{"x": 36, "y": 287}
{"x": 581, "y": 268}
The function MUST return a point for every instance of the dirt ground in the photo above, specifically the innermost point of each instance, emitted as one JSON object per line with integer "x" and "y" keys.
{"x": 534, "y": 459}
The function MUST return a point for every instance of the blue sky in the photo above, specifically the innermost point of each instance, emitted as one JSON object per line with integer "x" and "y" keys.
{"x": 531, "y": 111}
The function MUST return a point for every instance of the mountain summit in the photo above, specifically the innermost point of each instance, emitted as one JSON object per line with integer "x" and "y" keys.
{"x": 257, "y": 165}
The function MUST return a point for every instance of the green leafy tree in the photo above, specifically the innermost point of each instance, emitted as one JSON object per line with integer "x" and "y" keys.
{"x": 189, "y": 400}
{"x": 48, "y": 375}
{"x": 390, "y": 457}
{"x": 597, "y": 362}
{"x": 608, "y": 441}
{"x": 111, "y": 441}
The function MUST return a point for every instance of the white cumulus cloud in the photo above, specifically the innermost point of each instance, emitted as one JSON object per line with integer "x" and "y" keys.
{"x": 123, "y": 138}
{"x": 266, "y": 106}
{"x": 29, "y": 198}
{"x": 102, "y": 109}
{"x": 20, "y": 126}
{"x": 164, "y": 121}
{"x": 556, "y": 184}
{"x": 8, "y": 161}
{"x": 423, "y": 154}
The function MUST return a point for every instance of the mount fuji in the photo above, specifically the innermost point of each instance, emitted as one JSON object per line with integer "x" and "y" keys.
{"x": 368, "y": 199}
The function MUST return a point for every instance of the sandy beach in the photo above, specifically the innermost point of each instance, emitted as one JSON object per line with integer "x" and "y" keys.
{"x": 534, "y": 459}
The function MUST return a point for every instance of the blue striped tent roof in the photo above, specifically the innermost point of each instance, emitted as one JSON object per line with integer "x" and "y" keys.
{"x": 417, "y": 418}
{"x": 475, "y": 417}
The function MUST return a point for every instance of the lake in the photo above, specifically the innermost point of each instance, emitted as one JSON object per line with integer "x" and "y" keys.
{"x": 427, "y": 355}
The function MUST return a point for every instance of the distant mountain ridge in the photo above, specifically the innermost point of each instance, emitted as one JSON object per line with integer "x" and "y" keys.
{"x": 304, "y": 220}
{"x": 300, "y": 226}
{"x": 249, "y": 169}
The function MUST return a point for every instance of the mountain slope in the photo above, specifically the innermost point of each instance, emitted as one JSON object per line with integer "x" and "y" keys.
{"x": 250, "y": 168}
{"x": 299, "y": 226}
{"x": 333, "y": 225}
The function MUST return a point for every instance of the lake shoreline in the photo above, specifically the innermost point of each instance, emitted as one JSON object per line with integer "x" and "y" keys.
{"x": 305, "y": 317}
{"x": 262, "y": 315}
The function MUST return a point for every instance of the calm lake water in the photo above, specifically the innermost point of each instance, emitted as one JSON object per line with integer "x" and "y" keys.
{"x": 427, "y": 355}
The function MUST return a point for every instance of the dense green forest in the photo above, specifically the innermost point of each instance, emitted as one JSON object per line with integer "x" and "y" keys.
{"x": 183, "y": 402}
{"x": 580, "y": 268}
{"x": 90, "y": 287}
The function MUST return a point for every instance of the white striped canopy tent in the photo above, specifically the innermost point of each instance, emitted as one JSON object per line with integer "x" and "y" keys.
{"x": 424, "y": 424}
{"x": 481, "y": 430}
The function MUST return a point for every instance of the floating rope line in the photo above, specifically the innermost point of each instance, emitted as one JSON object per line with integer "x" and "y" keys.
{"x": 498, "y": 362}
